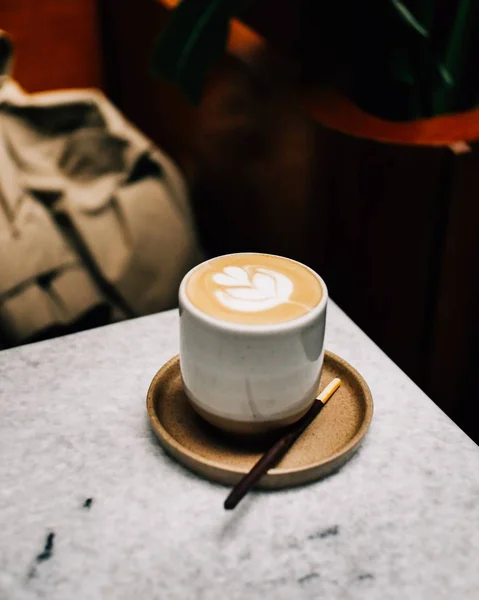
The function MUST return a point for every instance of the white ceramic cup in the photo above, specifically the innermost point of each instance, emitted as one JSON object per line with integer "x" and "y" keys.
{"x": 251, "y": 379}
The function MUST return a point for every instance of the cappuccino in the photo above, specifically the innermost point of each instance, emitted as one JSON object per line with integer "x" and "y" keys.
{"x": 253, "y": 289}
{"x": 251, "y": 340}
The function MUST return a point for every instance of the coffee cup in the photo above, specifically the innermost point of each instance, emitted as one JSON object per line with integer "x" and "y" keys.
{"x": 252, "y": 340}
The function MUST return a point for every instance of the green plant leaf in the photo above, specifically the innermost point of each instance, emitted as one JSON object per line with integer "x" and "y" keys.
{"x": 466, "y": 16}
{"x": 407, "y": 16}
{"x": 427, "y": 57}
{"x": 464, "y": 26}
{"x": 193, "y": 40}
{"x": 394, "y": 58}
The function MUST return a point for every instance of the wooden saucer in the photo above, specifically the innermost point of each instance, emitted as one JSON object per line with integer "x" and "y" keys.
{"x": 325, "y": 446}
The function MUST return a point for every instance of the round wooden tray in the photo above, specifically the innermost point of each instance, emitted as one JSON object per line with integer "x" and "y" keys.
{"x": 325, "y": 446}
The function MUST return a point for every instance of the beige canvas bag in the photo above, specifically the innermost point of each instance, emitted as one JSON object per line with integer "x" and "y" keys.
{"x": 95, "y": 224}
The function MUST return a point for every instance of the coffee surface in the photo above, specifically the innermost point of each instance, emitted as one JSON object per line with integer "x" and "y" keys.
{"x": 254, "y": 289}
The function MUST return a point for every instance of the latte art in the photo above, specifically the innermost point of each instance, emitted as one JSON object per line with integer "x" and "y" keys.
{"x": 253, "y": 289}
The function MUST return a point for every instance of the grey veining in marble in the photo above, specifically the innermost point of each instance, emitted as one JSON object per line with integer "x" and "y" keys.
{"x": 399, "y": 521}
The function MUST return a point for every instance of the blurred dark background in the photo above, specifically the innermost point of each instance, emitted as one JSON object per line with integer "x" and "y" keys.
{"x": 390, "y": 224}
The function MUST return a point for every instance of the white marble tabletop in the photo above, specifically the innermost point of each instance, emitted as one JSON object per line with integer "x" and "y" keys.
{"x": 399, "y": 521}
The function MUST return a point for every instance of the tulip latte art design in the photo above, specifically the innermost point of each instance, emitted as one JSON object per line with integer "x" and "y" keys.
{"x": 251, "y": 289}
{"x": 254, "y": 289}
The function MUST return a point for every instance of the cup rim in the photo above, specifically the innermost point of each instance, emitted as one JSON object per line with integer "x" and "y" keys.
{"x": 253, "y": 329}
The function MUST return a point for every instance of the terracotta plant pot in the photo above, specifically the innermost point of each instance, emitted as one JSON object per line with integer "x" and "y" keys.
{"x": 397, "y": 215}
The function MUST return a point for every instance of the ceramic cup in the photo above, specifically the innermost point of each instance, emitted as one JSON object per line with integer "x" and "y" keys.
{"x": 251, "y": 379}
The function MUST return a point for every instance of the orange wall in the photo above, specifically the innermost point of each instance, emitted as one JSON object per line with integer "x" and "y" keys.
{"x": 56, "y": 41}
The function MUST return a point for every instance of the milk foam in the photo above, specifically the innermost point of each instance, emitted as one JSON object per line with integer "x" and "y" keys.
{"x": 252, "y": 289}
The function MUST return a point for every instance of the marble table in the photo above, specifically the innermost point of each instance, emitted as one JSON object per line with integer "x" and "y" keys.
{"x": 92, "y": 508}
